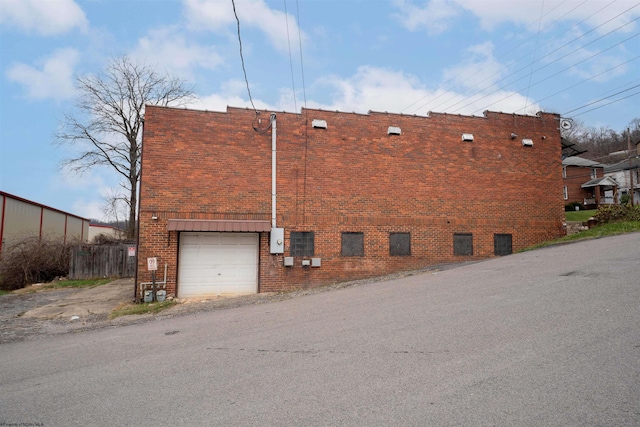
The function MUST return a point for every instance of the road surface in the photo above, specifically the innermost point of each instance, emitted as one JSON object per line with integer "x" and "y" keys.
{"x": 544, "y": 338}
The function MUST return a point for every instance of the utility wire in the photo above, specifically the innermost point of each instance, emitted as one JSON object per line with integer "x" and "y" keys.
{"x": 304, "y": 91}
{"x": 535, "y": 51}
{"x": 551, "y": 63}
{"x": 293, "y": 83}
{"x": 608, "y": 92}
{"x": 242, "y": 57}
{"x": 550, "y": 53}
{"x": 471, "y": 72}
{"x": 583, "y": 81}
{"x": 602, "y": 99}
{"x": 546, "y": 78}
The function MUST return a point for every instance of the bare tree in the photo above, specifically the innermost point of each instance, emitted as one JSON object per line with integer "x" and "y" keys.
{"x": 116, "y": 209}
{"x": 107, "y": 124}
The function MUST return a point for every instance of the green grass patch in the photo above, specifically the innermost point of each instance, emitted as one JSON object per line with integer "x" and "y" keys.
{"x": 61, "y": 284}
{"x": 4, "y": 292}
{"x": 602, "y": 230}
{"x": 580, "y": 216}
{"x": 86, "y": 283}
{"x": 144, "y": 308}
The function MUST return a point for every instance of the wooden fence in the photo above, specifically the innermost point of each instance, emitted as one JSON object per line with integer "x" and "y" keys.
{"x": 95, "y": 261}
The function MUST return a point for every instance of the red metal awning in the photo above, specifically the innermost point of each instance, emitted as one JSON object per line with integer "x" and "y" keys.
{"x": 247, "y": 226}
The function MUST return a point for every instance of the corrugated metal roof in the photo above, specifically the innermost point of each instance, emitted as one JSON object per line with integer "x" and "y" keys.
{"x": 247, "y": 226}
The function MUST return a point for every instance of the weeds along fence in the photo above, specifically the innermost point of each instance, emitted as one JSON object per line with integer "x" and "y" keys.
{"x": 96, "y": 261}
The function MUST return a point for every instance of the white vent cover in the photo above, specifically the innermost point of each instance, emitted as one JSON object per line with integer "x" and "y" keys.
{"x": 467, "y": 137}
{"x": 394, "y": 130}
{"x": 319, "y": 124}
{"x": 527, "y": 142}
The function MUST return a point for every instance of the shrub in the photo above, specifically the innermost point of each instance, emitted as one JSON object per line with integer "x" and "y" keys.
{"x": 615, "y": 213}
{"x": 625, "y": 199}
{"x": 33, "y": 260}
{"x": 570, "y": 207}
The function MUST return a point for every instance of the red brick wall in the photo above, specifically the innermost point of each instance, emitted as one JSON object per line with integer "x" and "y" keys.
{"x": 575, "y": 177}
{"x": 351, "y": 177}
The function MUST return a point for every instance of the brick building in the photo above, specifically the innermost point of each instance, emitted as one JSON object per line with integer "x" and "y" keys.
{"x": 584, "y": 182}
{"x": 358, "y": 195}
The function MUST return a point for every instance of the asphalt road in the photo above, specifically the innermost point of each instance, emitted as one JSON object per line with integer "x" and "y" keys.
{"x": 544, "y": 338}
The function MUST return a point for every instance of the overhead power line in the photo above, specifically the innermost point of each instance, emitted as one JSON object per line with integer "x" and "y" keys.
{"x": 304, "y": 91}
{"x": 603, "y": 99}
{"x": 293, "y": 83}
{"x": 242, "y": 57}
{"x": 468, "y": 100}
{"x": 548, "y": 77}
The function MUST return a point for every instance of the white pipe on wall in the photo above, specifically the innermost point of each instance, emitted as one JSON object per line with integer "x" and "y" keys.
{"x": 273, "y": 170}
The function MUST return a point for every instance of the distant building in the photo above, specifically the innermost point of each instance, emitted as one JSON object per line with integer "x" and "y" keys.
{"x": 627, "y": 174}
{"x": 96, "y": 230}
{"x": 20, "y": 218}
{"x": 585, "y": 182}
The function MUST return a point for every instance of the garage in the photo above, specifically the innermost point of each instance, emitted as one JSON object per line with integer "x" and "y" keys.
{"x": 214, "y": 263}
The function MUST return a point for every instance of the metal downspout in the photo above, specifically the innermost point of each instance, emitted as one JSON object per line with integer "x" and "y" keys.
{"x": 273, "y": 170}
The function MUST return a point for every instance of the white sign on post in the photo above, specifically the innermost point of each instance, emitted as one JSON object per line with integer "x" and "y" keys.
{"x": 132, "y": 251}
{"x": 152, "y": 264}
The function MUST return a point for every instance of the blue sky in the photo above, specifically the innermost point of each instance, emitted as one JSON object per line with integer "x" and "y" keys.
{"x": 409, "y": 56}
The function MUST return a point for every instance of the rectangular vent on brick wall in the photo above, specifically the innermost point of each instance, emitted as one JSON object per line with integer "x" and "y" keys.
{"x": 319, "y": 124}
{"x": 527, "y": 142}
{"x": 467, "y": 137}
{"x": 394, "y": 130}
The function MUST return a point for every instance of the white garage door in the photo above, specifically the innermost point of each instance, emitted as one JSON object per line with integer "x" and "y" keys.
{"x": 217, "y": 264}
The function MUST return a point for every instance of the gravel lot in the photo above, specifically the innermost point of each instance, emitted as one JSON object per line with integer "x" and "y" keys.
{"x": 13, "y": 327}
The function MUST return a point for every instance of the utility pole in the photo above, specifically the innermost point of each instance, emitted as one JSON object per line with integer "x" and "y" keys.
{"x": 631, "y": 189}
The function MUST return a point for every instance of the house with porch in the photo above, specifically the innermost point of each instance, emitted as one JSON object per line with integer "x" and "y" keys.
{"x": 584, "y": 182}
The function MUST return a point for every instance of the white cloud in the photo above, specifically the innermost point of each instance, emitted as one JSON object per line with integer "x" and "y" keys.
{"x": 436, "y": 15}
{"x": 54, "y": 79}
{"x": 42, "y": 17}
{"x": 379, "y": 89}
{"x": 217, "y": 16}
{"x": 231, "y": 94}
{"x": 170, "y": 49}
{"x": 479, "y": 70}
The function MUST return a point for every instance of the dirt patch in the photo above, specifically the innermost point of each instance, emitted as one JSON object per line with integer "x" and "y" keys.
{"x": 15, "y": 326}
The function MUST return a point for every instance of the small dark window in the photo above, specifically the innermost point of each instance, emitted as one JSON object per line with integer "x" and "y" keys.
{"x": 301, "y": 243}
{"x": 463, "y": 244}
{"x": 352, "y": 244}
{"x": 502, "y": 244}
{"x": 399, "y": 244}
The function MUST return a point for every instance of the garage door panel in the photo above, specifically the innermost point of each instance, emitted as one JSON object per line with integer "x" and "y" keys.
{"x": 218, "y": 264}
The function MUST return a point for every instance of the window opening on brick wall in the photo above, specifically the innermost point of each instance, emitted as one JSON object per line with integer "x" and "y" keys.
{"x": 566, "y": 192}
{"x": 301, "y": 243}
{"x": 463, "y": 244}
{"x": 564, "y": 171}
{"x": 399, "y": 244}
{"x": 352, "y": 244}
{"x": 502, "y": 244}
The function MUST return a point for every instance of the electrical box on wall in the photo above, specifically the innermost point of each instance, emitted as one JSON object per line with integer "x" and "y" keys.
{"x": 277, "y": 241}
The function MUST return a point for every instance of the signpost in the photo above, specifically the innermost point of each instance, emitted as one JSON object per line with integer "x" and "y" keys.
{"x": 152, "y": 266}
